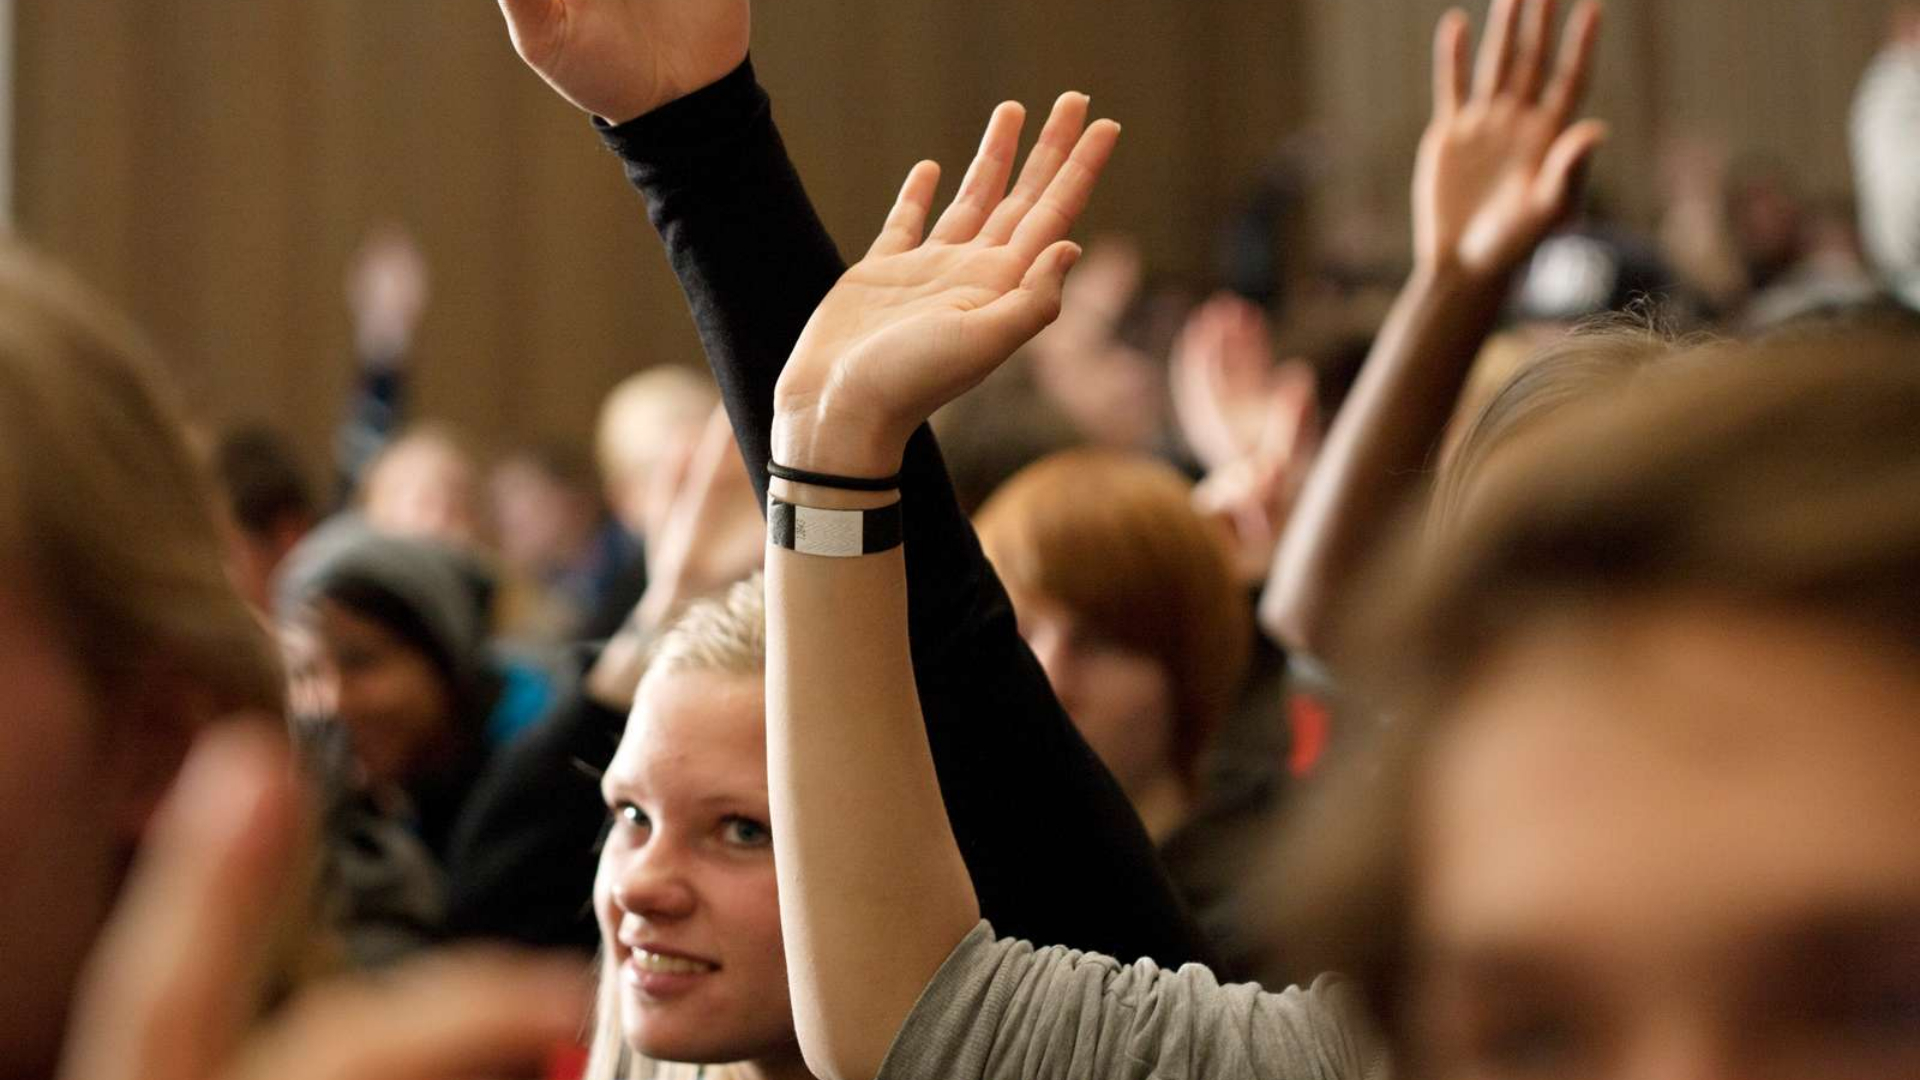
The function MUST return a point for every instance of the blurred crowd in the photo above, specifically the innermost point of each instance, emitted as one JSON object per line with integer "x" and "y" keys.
{"x": 1512, "y": 649}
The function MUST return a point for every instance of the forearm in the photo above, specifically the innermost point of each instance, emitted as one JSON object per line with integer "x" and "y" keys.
{"x": 754, "y": 261}
{"x": 743, "y": 238}
{"x": 1375, "y": 456}
{"x": 873, "y": 891}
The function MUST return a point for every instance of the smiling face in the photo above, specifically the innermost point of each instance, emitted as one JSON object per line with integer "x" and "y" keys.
{"x": 688, "y": 907}
{"x": 1675, "y": 841}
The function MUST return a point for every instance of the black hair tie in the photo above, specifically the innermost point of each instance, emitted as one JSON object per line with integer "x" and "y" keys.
{"x": 828, "y": 480}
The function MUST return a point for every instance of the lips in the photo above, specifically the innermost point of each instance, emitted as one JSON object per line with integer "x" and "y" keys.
{"x": 659, "y": 962}
{"x": 660, "y": 974}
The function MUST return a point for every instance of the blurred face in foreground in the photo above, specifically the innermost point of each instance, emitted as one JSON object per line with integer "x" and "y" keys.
{"x": 59, "y": 852}
{"x": 688, "y": 907}
{"x": 1673, "y": 840}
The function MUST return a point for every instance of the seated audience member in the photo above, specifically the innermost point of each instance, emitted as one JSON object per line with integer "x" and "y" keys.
{"x": 701, "y": 146}
{"x": 1125, "y": 596}
{"x": 268, "y": 505}
{"x": 386, "y": 638}
{"x": 554, "y": 531}
{"x": 1886, "y": 157}
{"x": 151, "y": 870}
{"x": 426, "y": 484}
{"x": 1602, "y": 837}
{"x": 646, "y": 433}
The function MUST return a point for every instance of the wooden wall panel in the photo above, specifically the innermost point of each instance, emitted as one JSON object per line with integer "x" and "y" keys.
{"x": 212, "y": 163}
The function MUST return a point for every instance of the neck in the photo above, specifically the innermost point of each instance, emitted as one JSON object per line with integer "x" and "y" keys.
{"x": 1163, "y": 804}
{"x": 784, "y": 1067}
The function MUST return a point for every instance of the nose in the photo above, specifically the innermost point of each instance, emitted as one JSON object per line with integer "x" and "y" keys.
{"x": 650, "y": 882}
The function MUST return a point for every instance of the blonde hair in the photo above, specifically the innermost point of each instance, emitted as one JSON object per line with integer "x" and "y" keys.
{"x": 1113, "y": 537}
{"x": 643, "y": 412}
{"x": 726, "y": 634}
{"x": 104, "y": 504}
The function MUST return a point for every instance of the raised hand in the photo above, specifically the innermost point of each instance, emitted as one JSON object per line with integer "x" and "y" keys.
{"x": 172, "y": 990}
{"x": 387, "y": 288}
{"x": 926, "y": 316}
{"x": 1252, "y": 495}
{"x": 1223, "y": 371}
{"x": 1499, "y": 161}
{"x": 619, "y": 59}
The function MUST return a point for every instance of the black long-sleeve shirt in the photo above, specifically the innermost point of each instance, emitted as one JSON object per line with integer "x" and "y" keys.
{"x": 1055, "y": 851}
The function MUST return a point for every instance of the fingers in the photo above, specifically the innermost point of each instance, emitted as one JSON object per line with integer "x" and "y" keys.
{"x": 1561, "y": 169}
{"x": 1056, "y": 143}
{"x": 1450, "y": 62}
{"x": 1530, "y": 69}
{"x": 1571, "y": 74}
{"x": 174, "y": 979}
{"x": 1013, "y": 319}
{"x": 1052, "y": 217}
{"x": 485, "y": 1013}
{"x": 986, "y": 180}
{"x": 908, "y": 218}
{"x": 1495, "y": 66}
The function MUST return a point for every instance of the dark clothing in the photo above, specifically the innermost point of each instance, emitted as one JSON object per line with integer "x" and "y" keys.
{"x": 521, "y": 864}
{"x": 1055, "y": 851}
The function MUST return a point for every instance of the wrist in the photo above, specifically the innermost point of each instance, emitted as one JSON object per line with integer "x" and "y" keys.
{"x": 1447, "y": 276}
{"x": 804, "y": 439}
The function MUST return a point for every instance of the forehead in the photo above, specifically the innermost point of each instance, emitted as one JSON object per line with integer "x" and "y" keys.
{"x": 695, "y": 733}
{"x": 1678, "y": 773}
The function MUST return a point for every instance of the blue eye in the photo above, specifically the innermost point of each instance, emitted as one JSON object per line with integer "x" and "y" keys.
{"x": 746, "y": 832}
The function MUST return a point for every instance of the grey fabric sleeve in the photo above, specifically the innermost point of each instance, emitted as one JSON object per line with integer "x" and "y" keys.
{"x": 1005, "y": 1010}
{"x": 1886, "y": 158}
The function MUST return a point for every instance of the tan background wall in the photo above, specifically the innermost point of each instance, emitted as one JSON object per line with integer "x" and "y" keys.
{"x": 211, "y": 163}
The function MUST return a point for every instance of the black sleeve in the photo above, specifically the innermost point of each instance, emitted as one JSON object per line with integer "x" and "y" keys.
{"x": 1056, "y": 853}
{"x": 521, "y": 861}
{"x": 374, "y": 413}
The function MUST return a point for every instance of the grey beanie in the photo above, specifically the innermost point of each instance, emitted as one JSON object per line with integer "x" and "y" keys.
{"x": 436, "y": 582}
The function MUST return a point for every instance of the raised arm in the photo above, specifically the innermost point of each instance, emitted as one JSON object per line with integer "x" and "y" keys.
{"x": 874, "y": 894}
{"x": 755, "y": 262}
{"x": 1497, "y": 169}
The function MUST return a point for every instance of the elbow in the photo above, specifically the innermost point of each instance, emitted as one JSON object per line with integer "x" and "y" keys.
{"x": 850, "y": 1053}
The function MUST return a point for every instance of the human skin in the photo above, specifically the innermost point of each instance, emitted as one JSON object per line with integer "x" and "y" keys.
{"x": 60, "y": 850}
{"x": 1120, "y": 699}
{"x": 394, "y": 703}
{"x": 687, "y": 872}
{"x": 1673, "y": 840}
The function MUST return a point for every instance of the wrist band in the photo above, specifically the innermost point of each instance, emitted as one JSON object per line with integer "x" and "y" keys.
{"x": 828, "y": 480}
{"x": 839, "y": 534}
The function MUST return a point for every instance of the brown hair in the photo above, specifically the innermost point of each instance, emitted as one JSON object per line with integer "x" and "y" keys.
{"x": 105, "y": 506}
{"x": 1782, "y": 477}
{"x": 1114, "y": 538}
{"x": 1596, "y": 356}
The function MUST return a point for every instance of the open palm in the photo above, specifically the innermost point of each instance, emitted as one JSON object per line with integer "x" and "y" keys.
{"x": 619, "y": 59}
{"x": 918, "y": 322}
{"x": 1498, "y": 163}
